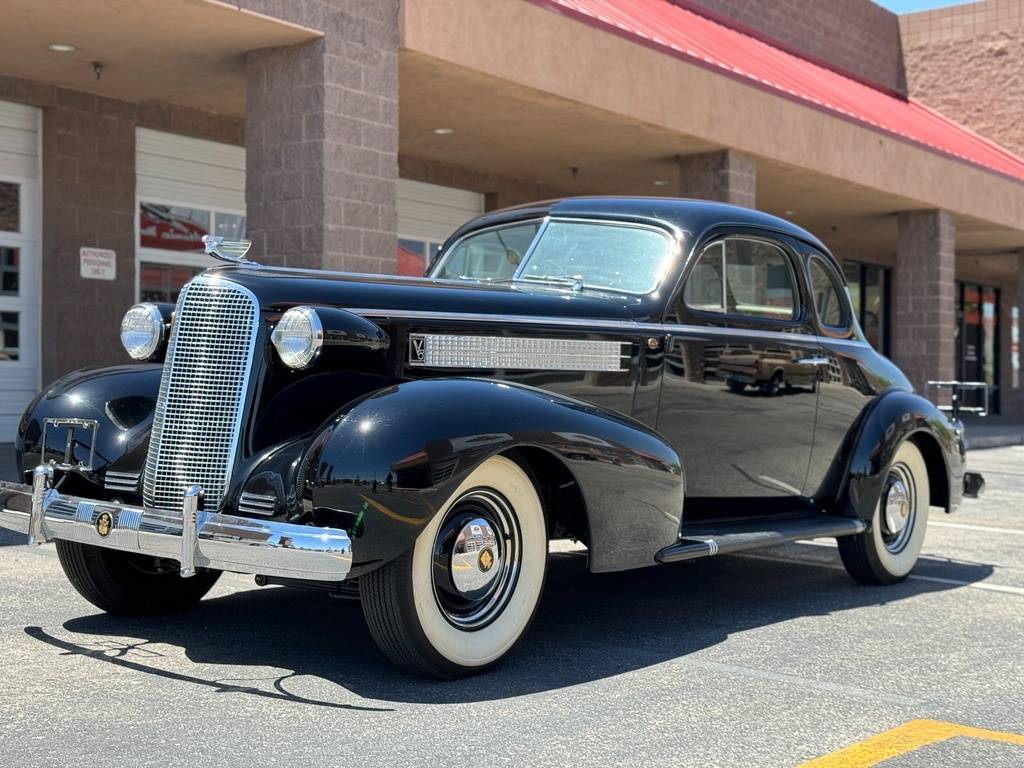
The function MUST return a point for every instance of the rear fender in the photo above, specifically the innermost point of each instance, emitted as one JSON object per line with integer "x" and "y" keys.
{"x": 385, "y": 464}
{"x": 895, "y": 416}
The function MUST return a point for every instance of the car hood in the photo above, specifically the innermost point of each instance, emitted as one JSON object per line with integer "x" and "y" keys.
{"x": 282, "y": 288}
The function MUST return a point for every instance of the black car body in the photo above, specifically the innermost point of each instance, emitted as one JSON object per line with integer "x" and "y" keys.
{"x": 610, "y": 399}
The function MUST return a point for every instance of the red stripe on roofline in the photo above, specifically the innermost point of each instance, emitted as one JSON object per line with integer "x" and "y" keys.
{"x": 703, "y": 41}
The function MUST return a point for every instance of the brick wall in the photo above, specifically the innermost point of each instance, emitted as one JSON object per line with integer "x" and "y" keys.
{"x": 856, "y": 36}
{"x": 967, "y": 61}
{"x": 924, "y": 308}
{"x": 322, "y": 138}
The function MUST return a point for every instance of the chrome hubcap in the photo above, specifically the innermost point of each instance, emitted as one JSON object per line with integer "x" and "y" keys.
{"x": 476, "y": 559}
{"x": 898, "y": 507}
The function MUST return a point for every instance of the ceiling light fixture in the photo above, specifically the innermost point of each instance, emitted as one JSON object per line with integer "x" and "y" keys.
{"x": 443, "y": 131}
{"x": 661, "y": 183}
{"x": 61, "y": 47}
{"x": 791, "y": 213}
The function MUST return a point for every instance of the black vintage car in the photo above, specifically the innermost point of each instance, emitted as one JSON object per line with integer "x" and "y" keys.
{"x": 566, "y": 370}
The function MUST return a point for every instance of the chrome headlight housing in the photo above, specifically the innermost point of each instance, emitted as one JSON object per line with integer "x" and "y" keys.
{"x": 142, "y": 331}
{"x": 298, "y": 337}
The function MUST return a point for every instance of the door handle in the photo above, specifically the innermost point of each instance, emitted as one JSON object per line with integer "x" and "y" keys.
{"x": 813, "y": 361}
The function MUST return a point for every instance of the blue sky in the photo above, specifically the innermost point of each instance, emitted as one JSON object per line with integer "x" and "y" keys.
{"x": 908, "y": 6}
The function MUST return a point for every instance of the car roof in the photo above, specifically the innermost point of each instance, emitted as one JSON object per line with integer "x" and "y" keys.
{"x": 692, "y": 216}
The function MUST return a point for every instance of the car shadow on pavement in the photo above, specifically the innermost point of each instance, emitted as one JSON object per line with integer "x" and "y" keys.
{"x": 588, "y": 627}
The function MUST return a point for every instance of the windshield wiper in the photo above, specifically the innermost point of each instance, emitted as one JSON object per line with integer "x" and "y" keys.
{"x": 575, "y": 281}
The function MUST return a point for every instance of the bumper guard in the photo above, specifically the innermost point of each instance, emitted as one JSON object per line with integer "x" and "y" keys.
{"x": 194, "y": 538}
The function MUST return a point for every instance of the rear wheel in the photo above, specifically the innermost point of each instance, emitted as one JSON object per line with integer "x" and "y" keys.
{"x": 735, "y": 385}
{"x": 887, "y": 552}
{"x": 129, "y": 584}
{"x": 463, "y": 595}
{"x": 772, "y": 386}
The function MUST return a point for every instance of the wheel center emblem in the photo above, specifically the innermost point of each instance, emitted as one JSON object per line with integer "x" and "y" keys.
{"x": 104, "y": 523}
{"x": 486, "y": 560}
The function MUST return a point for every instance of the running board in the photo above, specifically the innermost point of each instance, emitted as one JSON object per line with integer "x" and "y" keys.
{"x": 706, "y": 540}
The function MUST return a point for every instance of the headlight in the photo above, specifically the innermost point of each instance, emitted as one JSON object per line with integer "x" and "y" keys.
{"x": 142, "y": 331}
{"x": 298, "y": 337}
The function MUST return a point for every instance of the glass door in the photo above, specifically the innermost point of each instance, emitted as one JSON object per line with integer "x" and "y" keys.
{"x": 977, "y": 342}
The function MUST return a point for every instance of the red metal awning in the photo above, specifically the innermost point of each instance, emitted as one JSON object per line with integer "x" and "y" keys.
{"x": 702, "y": 41}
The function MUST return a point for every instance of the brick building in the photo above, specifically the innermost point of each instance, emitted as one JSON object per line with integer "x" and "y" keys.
{"x": 356, "y": 134}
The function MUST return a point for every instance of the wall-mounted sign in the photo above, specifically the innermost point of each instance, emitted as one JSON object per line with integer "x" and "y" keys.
{"x": 98, "y": 263}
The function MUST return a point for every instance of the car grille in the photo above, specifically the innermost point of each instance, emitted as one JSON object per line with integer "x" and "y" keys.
{"x": 202, "y": 392}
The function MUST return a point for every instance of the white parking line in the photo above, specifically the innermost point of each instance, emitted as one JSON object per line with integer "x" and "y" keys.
{"x": 969, "y": 527}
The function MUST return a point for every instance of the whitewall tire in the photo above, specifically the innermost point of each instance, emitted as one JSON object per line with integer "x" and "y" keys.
{"x": 888, "y": 552}
{"x": 463, "y": 595}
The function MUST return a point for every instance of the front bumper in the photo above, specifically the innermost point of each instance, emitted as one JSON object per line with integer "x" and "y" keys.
{"x": 194, "y": 538}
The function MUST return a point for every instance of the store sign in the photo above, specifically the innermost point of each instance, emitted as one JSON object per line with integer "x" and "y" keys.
{"x": 97, "y": 263}
{"x": 1015, "y": 346}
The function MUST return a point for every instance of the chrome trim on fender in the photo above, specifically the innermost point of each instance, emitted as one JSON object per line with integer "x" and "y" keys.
{"x": 217, "y": 541}
{"x": 434, "y": 350}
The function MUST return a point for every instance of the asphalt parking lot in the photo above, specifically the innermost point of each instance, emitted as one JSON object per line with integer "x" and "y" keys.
{"x": 775, "y": 658}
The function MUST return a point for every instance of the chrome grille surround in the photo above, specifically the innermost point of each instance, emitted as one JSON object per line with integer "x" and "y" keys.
{"x": 201, "y": 403}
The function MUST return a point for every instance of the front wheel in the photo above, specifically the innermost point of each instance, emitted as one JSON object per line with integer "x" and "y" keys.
{"x": 130, "y": 584}
{"x": 461, "y": 597}
{"x": 887, "y": 552}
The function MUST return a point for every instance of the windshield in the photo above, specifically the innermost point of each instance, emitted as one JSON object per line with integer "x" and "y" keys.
{"x": 604, "y": 255}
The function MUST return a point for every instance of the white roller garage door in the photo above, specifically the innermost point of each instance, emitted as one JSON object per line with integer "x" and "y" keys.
{"x": 19, "y": 262}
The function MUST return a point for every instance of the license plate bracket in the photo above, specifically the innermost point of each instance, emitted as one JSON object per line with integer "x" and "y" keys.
{"x": 75, "y": 430}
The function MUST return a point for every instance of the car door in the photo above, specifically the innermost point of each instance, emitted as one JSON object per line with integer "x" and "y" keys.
{"x": 739, "y": 390}
{"x": 850, "y": 378}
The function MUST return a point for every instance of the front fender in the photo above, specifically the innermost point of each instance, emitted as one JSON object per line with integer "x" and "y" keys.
{"x": 121, "y": 399}
{"x": 384, "y": 465}
{"x": 895, "y": 416}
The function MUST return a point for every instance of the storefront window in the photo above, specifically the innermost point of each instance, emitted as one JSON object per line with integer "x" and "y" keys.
{"x": 869, "y": 291}
{"x": 171, "y": 245}
{"x": 10, "y": 213}
{"x": 977, "y": 340}
{"x": 8, "y": 336}
{"x": 8, "y": 271}
{"x": 163, "y": 282}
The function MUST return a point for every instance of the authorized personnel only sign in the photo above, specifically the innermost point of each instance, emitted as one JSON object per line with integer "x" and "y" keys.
{"x": 98, "y": 263}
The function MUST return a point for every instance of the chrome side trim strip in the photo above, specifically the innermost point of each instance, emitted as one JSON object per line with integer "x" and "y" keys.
{"x": 433, "y": 350}
{"x": 621, "y": 326}
{"x": 221, "y": 542}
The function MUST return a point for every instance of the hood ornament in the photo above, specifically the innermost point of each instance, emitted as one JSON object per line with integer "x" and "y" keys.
{"x": 228, "y": 250}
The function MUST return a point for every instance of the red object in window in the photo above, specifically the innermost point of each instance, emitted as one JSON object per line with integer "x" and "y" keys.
{"x": 160, "y": 228}
{"x": 410, "y": 263}
{"x": 707, "y": 43}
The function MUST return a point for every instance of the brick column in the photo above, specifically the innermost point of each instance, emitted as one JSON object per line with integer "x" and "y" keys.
{"x": 726, "y": 176}
{"x": 88, "y": 201}
{"x": 321, "y": 140}
{"x": 924, "y": 309}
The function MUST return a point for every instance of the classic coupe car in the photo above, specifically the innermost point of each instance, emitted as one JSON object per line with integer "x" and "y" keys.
{"x": 559, "y": 373}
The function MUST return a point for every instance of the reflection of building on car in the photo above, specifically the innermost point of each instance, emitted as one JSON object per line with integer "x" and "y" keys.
{"x": 769, "y": 370}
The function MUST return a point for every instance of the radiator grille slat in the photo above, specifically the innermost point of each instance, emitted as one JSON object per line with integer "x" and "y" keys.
{"x": 202, "y": 394}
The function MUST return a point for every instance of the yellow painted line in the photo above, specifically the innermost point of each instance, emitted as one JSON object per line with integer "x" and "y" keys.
{"x": 904, "y": 739}
{"x": 391, "y": 513}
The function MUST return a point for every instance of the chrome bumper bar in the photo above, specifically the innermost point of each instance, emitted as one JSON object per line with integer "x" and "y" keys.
{"x": 194, "y": 538}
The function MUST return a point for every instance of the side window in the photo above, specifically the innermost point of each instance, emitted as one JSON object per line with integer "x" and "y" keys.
{"x": 828, "y": 296}
{"x": 743, "y": 276}
{"x": 492, "y": 254}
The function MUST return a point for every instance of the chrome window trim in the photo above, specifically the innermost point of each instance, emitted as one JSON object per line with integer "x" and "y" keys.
{"x": 621, "y": 326}
{"x": 795, "y": 319}
{"x": 439, "y": 261}
{"x": 671, "y": 236}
